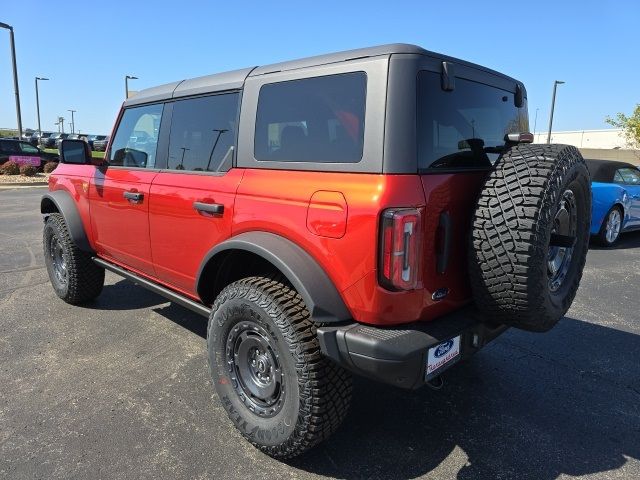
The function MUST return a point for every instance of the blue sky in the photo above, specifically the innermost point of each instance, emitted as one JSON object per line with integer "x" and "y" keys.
{"x": 87, "y": 50}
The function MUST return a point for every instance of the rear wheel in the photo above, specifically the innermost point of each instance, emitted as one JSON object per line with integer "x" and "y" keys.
{"x": 611, "y": 227}
{"x": 530, "y": 235}
{"x": 278, "y": 389}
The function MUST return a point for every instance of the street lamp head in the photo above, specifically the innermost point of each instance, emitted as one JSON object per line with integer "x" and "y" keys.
{"x": 4, "y": 25}
{"x": 559, "y": 82}
{"x": 131, "y": 77}
{"x": 41, "y": 78}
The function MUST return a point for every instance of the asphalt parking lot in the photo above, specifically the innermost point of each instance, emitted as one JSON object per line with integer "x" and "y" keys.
{"x": 120, "y": 388}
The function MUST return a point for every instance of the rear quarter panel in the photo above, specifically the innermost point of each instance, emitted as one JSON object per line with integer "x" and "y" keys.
{"x": 277, "y": 201}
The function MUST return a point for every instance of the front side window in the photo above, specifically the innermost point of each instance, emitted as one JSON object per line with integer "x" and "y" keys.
{"x": 203, "y": 133}
{"x": 465, "y": 127}
{"x": 136, "y": 139}
{"x": 318, "y": 119}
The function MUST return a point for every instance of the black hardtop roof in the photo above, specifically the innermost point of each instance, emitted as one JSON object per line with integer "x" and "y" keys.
{"x": 235, "y": 79}
{"x": 604, "y": 170}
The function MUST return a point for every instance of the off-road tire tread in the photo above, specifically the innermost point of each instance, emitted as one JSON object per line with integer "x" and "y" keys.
{"x": 85, "y": 278}
{"x": 510, "y": 234}
{"x": 325, "y": 388}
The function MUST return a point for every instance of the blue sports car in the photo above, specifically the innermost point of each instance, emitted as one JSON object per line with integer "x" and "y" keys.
{"x": 616, "y": 199}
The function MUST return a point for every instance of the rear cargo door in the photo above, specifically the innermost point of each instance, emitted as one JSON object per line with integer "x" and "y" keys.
{"x": 460, "y": 135}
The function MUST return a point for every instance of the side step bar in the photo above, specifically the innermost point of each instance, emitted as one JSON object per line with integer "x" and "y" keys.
{"x": 154, "y": 287}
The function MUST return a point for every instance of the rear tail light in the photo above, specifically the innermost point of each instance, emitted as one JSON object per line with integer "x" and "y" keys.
{"x": 400, "y": 249}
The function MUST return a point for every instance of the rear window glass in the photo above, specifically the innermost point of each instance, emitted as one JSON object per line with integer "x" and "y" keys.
{"x": 318, "y": 119}
{"x": 463, "y": 128}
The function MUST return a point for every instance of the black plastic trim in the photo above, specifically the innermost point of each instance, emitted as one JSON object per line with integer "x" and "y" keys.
{"x": 154, "y": 287}
{"x": 66, "y": 206}
{"x": 309, "y": 279}
{"x": 397, "y": 355}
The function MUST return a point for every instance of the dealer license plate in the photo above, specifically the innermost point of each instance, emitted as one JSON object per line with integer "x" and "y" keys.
{"x": 442, "y": 356}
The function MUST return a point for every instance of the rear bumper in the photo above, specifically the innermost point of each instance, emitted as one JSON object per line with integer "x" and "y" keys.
{"x": 398, "y": 356}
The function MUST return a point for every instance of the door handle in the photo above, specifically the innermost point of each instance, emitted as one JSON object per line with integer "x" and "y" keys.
{"x": 133, "y": 197}
{"x": 214, "y": 208}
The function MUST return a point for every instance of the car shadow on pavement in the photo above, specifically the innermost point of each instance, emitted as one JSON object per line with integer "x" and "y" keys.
{"x": 124, "y": 295}
{"x": 528, "y": 406}
{"x": 626, "y": 240}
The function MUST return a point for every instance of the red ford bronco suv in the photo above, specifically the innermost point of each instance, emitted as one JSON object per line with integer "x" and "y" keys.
{"x": 379, "y": 211}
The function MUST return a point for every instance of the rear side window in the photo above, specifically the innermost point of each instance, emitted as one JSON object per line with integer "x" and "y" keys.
{"x": 465, "y": 127}
{"x": 630, "y": 176}
{"x": 136, "y": 139}
{"x": 317, "y": 119}
{"x": 203, "y": 132}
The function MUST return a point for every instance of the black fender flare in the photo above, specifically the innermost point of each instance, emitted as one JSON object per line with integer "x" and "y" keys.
{"x": 62, "y": 202}
{"x": 305, "y": 274}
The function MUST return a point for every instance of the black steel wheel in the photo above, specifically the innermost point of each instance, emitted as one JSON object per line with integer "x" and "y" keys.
{"x": 253, "y": 365}
{"x": 278, "y": 389}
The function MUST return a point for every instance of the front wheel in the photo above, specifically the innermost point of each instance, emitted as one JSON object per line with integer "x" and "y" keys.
{"x": 278, "y": 389}
{"x": 611, "y": 228}
{"x": 73, "y": 274}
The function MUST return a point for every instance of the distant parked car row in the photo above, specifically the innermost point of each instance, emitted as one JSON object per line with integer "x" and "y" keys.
{"x": 53, "y": 139}
{"x": 23, "y": 153}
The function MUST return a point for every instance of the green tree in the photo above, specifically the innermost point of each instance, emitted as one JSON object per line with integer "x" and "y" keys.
{"x": 630, "y": 127}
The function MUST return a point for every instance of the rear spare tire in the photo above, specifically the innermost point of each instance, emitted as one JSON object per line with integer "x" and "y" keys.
{"x": 530, "y": 235}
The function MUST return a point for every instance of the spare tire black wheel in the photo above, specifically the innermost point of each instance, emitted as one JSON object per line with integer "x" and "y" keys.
{"x": 530, "y": 236}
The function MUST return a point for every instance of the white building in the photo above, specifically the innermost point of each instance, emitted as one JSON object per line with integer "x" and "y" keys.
{"x": 607, "y": 139}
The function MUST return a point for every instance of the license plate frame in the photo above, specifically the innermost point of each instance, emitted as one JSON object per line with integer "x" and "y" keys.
{"x": 442, "y": 356}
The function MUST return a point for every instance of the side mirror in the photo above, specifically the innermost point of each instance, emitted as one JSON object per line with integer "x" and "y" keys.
{"x": 76, "y": 152}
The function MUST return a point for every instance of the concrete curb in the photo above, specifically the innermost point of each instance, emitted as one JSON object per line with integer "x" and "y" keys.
{"x": 23, "y": 185}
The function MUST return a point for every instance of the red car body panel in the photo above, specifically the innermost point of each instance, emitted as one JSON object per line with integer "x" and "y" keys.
{"x": 121, "y": 227}
{"x": 180, "y": 235}
{"x": 165, "y": 239}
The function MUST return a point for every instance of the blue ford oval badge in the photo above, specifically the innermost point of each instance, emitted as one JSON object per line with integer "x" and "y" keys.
{"x": 443, "y": 349}
{"x": 440, "y": 294}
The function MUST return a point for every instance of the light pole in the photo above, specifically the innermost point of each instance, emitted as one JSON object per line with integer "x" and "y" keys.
{"x": 38, "y": 105}
{"x": 126, "y": 84}
{"x": 73, "y": 123}
{"x": 15, "y": 76}
{"x": 553, "y": 104}
{"x": 61, "y": 123}
{"x": 535, "y": 122}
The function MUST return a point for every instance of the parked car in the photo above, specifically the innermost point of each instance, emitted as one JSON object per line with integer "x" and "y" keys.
{"x": 616, "y": 199}
{"x": 52, "y": 140}
{"x": 93, "y": 138}
{"x": 34, "y": 139}
{"x": 24, "y": 153}
{"x": 377, "y": 211}
{"x": 70, "y": 136}
{"x": 42, "y": 139}
{"x": 100, "y": 144}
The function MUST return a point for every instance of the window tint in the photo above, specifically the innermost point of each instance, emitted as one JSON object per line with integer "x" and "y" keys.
{"x": 312, "y": 120}
{"x": 463, "y": 128}
{"x": 203, "y": 132}
{"x": 617, "y": 178}
{"x": 28, "y": 148}
{"x": 134, "y": 144}
{"x": 630, "y": 176}
{"x": 9, "y": 147}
